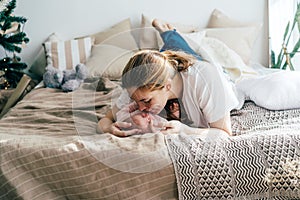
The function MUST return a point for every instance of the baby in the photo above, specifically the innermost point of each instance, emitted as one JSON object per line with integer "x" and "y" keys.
{"x": 145, "y": 121}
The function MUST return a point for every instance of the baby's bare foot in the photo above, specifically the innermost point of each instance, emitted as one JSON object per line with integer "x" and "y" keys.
{"x": 161, "y": 26}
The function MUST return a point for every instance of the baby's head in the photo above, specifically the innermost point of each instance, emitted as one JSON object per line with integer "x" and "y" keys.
{"x": 141, "y": 120}
{"x": 145, "y": 121}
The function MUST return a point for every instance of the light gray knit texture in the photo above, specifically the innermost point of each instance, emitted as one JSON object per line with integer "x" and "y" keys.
{"x": 249, "y": 165}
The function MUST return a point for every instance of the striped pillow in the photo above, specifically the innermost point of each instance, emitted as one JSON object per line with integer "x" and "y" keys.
{"x": 67, "y": 54}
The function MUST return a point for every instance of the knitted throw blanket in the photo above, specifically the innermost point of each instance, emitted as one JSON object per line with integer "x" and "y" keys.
{"x": 254, "y": 119}
{"x": 260, "y": 162}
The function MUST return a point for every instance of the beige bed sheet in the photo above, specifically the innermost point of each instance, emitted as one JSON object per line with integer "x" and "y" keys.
{"x": 49, "y": 149}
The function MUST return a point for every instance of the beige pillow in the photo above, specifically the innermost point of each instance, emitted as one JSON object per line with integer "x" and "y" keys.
{"x": 68, "y": 54}
{"x": 239, "y": 36}
{"x": 219, "y": 20}
{"x": 239, "y": 39}
{"x": 149, "y": 38}
{"x": 220, "y": 54}
{"x": 117, "y": 35}
{"x": 108, "y": 61}
{"x": 147, "y": 34}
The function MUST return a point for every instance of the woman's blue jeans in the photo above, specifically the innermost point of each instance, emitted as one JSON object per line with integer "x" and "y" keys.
{"x": 174, "y": 41}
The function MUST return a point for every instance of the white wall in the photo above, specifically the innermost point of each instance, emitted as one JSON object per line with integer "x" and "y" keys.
{"x": 72, "y": 18}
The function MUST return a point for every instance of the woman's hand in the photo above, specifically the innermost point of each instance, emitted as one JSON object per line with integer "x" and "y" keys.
{"x": 107, "y": 125}
{"x": 174, "y": 126}
{"x": 119, "y": 129}
{"x": 223, "y": 124}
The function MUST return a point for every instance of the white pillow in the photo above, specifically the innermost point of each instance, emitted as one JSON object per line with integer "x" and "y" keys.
{"x": 277, "y": 91}
{"x": 108, "y": 61}
{"x": 217, "y": 52}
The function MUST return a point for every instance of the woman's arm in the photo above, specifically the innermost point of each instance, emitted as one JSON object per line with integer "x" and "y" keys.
{"x": 223, "y": 124}
{"x": 176, "y": 127}
{"x": 105, "y": 123}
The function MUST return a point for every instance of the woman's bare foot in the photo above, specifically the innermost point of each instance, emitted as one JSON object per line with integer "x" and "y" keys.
{"x": 161, "y": 26}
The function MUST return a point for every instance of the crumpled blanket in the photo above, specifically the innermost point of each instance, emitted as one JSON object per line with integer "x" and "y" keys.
{"x": 279, "y": 90}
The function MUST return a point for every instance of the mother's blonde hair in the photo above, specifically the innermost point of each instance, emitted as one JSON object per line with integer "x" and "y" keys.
{"x": 151, "y": 69}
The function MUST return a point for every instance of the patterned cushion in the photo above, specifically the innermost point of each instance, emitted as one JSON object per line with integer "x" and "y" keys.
{"x": 67, "y": 54}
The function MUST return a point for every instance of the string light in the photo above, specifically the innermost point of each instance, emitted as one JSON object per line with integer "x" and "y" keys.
{"x": 3, "y": 5}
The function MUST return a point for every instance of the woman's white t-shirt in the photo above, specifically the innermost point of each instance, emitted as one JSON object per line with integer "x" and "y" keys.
{"x": 207, "y": 94}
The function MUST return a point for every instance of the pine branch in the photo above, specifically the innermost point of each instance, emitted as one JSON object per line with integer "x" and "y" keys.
{"x": 11, "y": 47}
{"x": 11, "y": 43}
{"x": 9, "y": 21}
{"x": 10, "y": 36}
{"x": 17, "y": 38}
{"x": 10, "y": 8}
{"x": 16, "y": 66}
{"x": 18, "y": 19}
{"x": 7, "y": 25}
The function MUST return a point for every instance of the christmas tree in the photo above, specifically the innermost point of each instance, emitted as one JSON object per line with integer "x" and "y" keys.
{"x": 11, "y": 39}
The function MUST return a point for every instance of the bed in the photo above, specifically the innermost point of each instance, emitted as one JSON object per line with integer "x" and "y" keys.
{"x": 50, "y": 149}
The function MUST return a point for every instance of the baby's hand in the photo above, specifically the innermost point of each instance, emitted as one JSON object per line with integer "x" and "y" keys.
{"x": 133, "y": 107}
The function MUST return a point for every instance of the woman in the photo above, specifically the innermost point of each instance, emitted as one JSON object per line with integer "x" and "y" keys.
{"x": 193, "y": 94}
